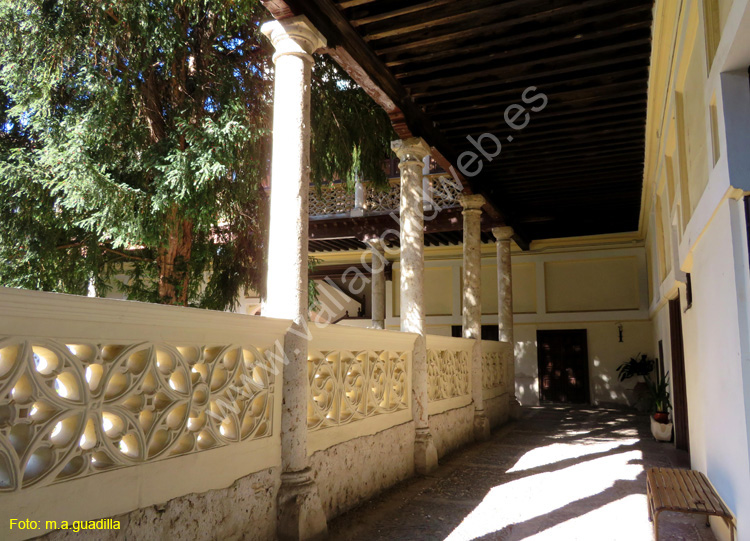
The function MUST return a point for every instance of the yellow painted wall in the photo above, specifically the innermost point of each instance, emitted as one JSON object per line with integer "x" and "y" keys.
{"x": 691, "y": 86}
{"x": 524, "y": 288}
{"x": 592, "y": 285}
{"x": 438, "y": 291}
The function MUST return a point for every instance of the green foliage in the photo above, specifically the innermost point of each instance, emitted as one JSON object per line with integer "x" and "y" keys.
{"x": 134, "y": 139}
{"x": 312, "y": 287}
{"x": 640, "y": 365}
{"x": 659, "y": 394}
{"x": 344, "y": 117}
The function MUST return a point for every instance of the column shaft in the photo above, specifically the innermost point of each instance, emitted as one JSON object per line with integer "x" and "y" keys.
{"x": 504, "y": 291}
{"x": 472, "y": 304}
{"x": 411, "y": 152}
{"x": 301, "y": 514}
{"x": 505, "y": 307}
{"x": 378, "y": 284}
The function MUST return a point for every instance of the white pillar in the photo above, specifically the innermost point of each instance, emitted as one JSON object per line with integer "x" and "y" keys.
{"x": 411, "y": 152}
{"x": 378, "y": 283}
{"x": 359, "y": 198}
{"x": 426, "y": 187}
{"x": 300, "y": 511}
{"x": 472, "y": 303}
{"x": 505, "y": 304}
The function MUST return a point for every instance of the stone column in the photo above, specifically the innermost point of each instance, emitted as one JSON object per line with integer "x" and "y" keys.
{"x": 411, "y": 152}
{"x": 472, "y": 303}
{"x": 300, "y": 511}
{"x": 359, "y": 198}
{"x": 378, "y": 283}
{"x": 426, "y": 187}
{"x": 505, "y": 304}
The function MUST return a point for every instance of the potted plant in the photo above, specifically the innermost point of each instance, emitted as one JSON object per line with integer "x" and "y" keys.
{"x": 661, "y": 428}
{"x": 639, "y": 366}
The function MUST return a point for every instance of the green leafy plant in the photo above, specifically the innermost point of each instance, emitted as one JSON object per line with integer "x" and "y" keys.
{"x": 659, "y": 394}
{"x": 640, "y": 365}
{"x": 135, "y": 141}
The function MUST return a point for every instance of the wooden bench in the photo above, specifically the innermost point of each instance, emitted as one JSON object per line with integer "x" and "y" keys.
{"x": 683, "y": 491}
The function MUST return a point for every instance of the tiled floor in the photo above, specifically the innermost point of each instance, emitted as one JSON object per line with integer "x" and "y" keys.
{"x": 558, "y": 474}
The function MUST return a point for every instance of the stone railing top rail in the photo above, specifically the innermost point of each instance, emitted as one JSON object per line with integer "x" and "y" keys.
{"x": 54, "y": 312}
{"x": 449, "y": 343}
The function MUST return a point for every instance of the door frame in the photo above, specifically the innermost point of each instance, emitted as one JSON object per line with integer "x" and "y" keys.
{"x": 679, "y": 385}
{"x": 587, "y": 382}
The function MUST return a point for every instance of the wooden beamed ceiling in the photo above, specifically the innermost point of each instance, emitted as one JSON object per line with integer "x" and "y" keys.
{"x": 447, "y": 69}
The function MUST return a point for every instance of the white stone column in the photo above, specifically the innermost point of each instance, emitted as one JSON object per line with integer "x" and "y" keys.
{"x": 426, "y": 187}
{"x": 300, "y": 512}
{"x": 411, "y": 152}
{"x": 472, "y": 304}
{"x": 505, "y": 305}
{"x": 359, "y": 198}
{"x": 378, "y": 283}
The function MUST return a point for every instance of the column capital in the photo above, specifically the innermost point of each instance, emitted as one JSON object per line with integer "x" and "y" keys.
{"x": 413, "y": 149}
{"x": 502, "y": 233}
{"x": 375, "y": 243}
{"x": 293, "y": 36}
{"x": 471, "y": 202}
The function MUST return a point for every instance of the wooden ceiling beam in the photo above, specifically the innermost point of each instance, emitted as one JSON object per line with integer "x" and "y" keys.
{"x": 454, "y": 13}
{"x": 570, "y": 173}
{"x": 499, "y": 128}
{"x": 374, "y": 15}
{"x": 558, "y": 102}
{"x": 580, "y": 61}
{"x": 573, "y": 27}
{"x": 558, "y": 83}
{"x": 457, "y": 66}
{"x": 576, "y": 117}
{"x": 553, "y": 153}
{"x": 584, "y": 114}
{"x": 558, "y": 162}
{"x": 640, "y": 31}
{"x": 346, "y": 4}
{"x": 483, "y": 29}
{"x": 531, "y": 189}
{"x": 571, "y": 139}
{"x": 525, "y": 80}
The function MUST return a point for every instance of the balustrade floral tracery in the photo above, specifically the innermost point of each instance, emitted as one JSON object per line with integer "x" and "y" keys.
{"x": 72, "y": 410}
{"x": 346, "y": 386}
{"x": 448, "y": 373}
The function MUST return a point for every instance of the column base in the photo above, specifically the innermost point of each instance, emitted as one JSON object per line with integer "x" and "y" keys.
{"x": 300, "y": 511}
{"x": 514, "y": 409}
{"x": 481, "y": 426}
{"x": 425, "y": 452}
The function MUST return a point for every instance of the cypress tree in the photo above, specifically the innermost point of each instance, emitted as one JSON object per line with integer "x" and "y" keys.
{"x": 135, "y": 142}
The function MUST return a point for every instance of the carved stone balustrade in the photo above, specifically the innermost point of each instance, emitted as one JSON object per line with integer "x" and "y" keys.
{"x": 497, "y": 358}
{"x": 338, "y": 200}
{"x": 359, "y": 380}
{"x": 448, "y": 372}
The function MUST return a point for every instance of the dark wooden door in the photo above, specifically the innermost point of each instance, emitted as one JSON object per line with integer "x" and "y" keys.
{"x": 679, "y": 387}
{"x": 563, "y": 366}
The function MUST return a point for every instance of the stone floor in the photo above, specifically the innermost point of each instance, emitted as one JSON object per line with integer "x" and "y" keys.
{"x": 558, "y": 474}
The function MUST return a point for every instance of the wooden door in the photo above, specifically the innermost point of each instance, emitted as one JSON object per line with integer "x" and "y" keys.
{"x": 679, "y": 387}
{"x": 563, "y": 366}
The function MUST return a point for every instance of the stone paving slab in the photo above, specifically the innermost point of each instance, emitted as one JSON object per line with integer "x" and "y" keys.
{"x": 557, "y": 474}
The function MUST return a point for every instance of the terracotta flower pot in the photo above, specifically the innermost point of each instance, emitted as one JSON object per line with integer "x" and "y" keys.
{"x": 661, "y": 417}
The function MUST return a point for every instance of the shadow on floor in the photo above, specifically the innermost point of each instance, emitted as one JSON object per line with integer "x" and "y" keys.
{"x": 558, "y": 473}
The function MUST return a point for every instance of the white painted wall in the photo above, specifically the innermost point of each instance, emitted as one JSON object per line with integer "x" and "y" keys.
{"x": 717, "y": 366}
